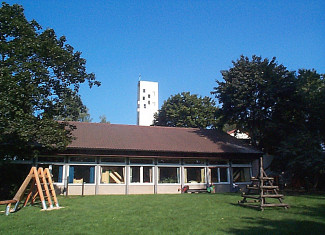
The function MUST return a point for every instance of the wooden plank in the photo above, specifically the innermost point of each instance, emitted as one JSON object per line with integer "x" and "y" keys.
{"x": 49, "y": 177}
{"x": 46, "y": 189}
{"x": 39, "y": 188}
{"x": 267, "y": 178}
{"x": 251, "y": 196}
{"x": 7, "y": 202}
{"x": 275, "y": 205}
{"x": 268, "y": 187}
{"x": 253, "y": 187}
{"x": 273, "y": 195}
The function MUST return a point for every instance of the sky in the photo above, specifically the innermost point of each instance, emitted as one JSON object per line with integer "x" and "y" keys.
{"x": 182, "y": 45}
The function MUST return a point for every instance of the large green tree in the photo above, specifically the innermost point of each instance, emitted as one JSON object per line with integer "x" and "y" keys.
{"x": 251, "y": 93}
{"x": 40, "y": 76}
{"x": 186, "y": 110}
{"x": 282, "y": 111}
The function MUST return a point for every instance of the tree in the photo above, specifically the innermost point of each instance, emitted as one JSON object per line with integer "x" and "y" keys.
{"x": 302, "y": 127}
{"x": 40, "y": 76}
{"x": 186, "y": 110}
{"x": 103, "y": 119}
{"x": 251, "y": 94}
{"x": 282, "y": 111}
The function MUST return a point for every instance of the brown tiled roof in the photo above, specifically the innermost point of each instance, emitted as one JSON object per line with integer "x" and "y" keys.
{"x": 99, "y": 136}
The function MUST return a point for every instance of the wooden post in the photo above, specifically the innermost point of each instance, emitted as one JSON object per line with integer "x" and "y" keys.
{"x": 46, "y": 188}
{"x": 83, "y": 188}
{"x": 39, "y": 188}
{"x": 67, "y": 188}
{"x": 49, "y": 177}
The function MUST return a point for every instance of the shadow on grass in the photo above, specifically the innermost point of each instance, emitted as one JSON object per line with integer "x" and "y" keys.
{"x": 317, "y": 212}
{"x": 272, "y": 226}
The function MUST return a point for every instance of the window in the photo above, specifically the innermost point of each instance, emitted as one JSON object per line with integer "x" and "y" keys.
{"x": 219, "y": 175}
{"x": 141, "y": 174}
{"x": 168, "y": 161}
{"x": 241, "y": 174}
{"x": 113, "y": 159}
{"x": 82, "y": 159}
{"x": 143, "y": 98}
{"x": 194, "y": 161}
{"x": 218, "y": 162}
{"x": 168, "y": 175}
{"x": 112, "y": 175}
{"x": 149, "y": 102}
{"x": 149, "y": 96}
{"x": 141, "y": 161}
{"x": 55, "y": 170}
{"x": 80, "y": 174}
{"x": 50, "y": 159}
{"x": 194, "y": 175}
{"x": 144, "y": 106}
{"x": 144, "y": 90}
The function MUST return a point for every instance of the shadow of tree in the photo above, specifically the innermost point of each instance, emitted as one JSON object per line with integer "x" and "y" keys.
{"x": 273, "y": 226}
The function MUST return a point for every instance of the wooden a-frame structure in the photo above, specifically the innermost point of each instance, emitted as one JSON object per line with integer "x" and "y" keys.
{"x": 40, "y": 178}
{"x": 260, "y": 189}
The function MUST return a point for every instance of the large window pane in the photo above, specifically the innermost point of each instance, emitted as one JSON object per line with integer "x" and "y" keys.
{"x": 214, "y": 175}
{"x": 241, "y": 174}
{"x": 223, "y": 174}
{"x": 55, "y": 170}
{"x": 168, "y": 174}
{"x": 147, "y": 174}
{"x": 168, "y": 161}
{"x": 135, "y": 174}
{"x": 80, "y": 174}
{"x": 50, "y": 159}
{"x": 82, "y": 159}
{"x": 194, "y": 161}
{"x": 112, "y": 175}
{"x": 113, "y": 159}
{"x": 194, "y": 175}
{"x": 141, "y": 161}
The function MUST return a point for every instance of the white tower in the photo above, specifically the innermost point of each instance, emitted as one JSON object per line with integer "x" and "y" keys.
{"x": 147, "y": 102}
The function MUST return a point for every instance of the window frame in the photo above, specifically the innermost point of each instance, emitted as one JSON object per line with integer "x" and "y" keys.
{"x": 178, "y": 172}
{"x": 242, "y": 166}
{"x": 141, "y": 165}
{"x": 110, "y": 184}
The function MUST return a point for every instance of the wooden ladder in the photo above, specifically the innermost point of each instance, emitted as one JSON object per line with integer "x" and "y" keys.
{"x": 40, "y": 178}
{"x": 260, "y": 190}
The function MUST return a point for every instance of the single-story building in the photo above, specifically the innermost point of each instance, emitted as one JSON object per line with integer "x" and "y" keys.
{"x": 129, "y": 159}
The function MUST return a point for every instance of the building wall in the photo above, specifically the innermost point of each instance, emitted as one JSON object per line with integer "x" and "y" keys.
{"x": 147, "y": 104}
{"x": 126, "y": 175}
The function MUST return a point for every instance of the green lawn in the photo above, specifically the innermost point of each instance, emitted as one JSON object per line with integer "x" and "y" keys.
{"x": 168, "y": 214}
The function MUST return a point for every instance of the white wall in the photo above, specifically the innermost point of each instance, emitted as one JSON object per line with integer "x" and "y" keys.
{"x": 147, "y": 102}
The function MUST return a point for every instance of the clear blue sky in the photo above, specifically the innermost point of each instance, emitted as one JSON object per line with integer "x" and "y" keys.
{"x": 183, "y": 45}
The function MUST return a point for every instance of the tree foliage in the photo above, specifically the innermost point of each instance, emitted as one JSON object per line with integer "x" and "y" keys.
{"x": 186, "y": 110}
{"x": 282, "y": 111}
{"x": 251, "y": 93}
{"x": 40, "y": 76}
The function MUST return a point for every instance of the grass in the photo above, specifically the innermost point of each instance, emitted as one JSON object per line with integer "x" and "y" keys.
{"x": 168, "y": 214}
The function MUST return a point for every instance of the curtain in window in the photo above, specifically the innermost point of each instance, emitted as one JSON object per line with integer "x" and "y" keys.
{"x": 60, "y": 174}
{"x": 71, "y": 174}
{"x": 92, "y": 175}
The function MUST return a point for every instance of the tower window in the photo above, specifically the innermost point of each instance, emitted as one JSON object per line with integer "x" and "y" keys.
{"x": 148, "y": 95}
{"x": 143, "y": 98}
{"x": 144, "y": 106}
{"x": 144, "y": 90}
{"x": 148, "y": 101}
